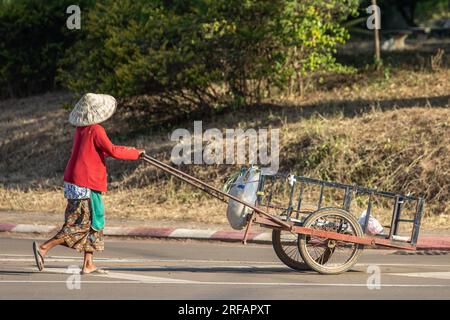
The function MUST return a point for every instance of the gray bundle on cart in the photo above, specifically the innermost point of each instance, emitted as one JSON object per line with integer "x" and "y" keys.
{"x": 243, "y": 185}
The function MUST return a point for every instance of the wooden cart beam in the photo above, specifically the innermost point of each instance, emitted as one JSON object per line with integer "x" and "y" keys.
{"x": 368, "y": 241}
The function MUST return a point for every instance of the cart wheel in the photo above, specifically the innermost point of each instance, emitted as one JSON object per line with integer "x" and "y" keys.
{"x": 285, "y": 245}
{"x": 329, "y": 256}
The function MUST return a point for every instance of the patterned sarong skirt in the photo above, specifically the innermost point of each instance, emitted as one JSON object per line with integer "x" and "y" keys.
{"x": 76, "y": 231}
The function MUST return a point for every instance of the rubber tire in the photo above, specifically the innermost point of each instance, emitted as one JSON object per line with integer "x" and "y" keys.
{"x": 281, "y": 254}
{"x": 302, "y": 240}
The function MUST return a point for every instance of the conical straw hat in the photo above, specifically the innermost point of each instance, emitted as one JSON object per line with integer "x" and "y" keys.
{"x": 92, "y": 108}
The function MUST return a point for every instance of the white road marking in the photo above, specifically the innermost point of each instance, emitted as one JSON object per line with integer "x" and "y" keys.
{"x": 145, "y": 279}
{"x": 401, "y": 265}
{"x": 186, "y": 263}
{"x": 50, "y": 259}
{"x": 123, "y": 276}
{"x": 433, "y": 275}
{"x": 317, "y": 284}
{"x": 64, "y": 281}
{"x": 125, "y": 260}
{"x": 141, "y": 279}
{"x": 296, "y": 284}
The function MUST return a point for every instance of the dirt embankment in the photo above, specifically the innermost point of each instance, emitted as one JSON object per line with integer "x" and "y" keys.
{"x": 393, "y": 134}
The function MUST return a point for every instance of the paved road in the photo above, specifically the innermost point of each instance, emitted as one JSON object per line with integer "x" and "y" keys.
{"x": 154, "y": 269}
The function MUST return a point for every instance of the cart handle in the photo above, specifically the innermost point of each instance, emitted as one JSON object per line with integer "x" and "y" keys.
{"x": 219, "y": 194}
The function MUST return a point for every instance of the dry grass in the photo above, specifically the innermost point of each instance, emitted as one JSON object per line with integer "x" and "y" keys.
{"x": 136, "y": 204}
{"x": 393, "y": 134}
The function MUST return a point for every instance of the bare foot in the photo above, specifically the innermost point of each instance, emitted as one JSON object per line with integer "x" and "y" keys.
{"x": 89, "y": 269}
{"x": 42, "y": 251}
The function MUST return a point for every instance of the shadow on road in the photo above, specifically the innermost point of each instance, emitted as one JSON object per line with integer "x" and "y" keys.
{"x": 17, "y": 273}
{"x": 224, "y": 269}
{"x": 237, "y": 269}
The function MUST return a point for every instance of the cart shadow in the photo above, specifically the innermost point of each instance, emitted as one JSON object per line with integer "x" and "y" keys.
{"x": 231, "y": 269}
{"x": 17, "y": 273}
{"x": 207, "y": 269}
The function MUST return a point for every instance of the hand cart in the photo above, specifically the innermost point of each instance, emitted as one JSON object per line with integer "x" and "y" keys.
{"x": 327, "y": 239}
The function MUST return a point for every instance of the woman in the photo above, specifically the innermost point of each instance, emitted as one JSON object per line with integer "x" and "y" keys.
{"x": 85, "y": 180}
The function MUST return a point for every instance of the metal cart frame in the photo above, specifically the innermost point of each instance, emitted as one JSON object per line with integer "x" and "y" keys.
{"x": 291, "y": 224}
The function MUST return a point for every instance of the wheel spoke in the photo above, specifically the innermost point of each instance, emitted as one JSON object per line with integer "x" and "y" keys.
{"x": 327, "y": 253}
{"x": 290, "y": 246}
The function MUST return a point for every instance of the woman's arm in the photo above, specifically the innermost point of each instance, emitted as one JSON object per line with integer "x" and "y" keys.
{"x": 102, "y": 142}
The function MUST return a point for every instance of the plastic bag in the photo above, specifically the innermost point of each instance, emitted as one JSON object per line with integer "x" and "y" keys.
{"x": 244, "y": 188}
{"x": 373, "y": 227}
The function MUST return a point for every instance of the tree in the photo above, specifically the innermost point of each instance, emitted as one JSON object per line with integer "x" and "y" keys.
{"x": 205, "y": 52}
{"x": 33, "y": 40}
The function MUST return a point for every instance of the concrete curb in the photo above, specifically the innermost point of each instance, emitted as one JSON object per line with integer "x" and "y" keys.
{"x": 173, "y": 233}
{"x": 424, "y": 243}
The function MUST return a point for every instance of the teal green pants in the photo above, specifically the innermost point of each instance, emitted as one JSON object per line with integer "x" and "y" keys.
{"x": 98, "y": 211}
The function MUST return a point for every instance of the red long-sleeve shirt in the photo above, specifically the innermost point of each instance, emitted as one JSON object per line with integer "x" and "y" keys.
{"x": 86, "y": 167}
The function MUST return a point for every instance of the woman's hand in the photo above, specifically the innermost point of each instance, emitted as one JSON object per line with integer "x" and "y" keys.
{"x": 141, "y": 152}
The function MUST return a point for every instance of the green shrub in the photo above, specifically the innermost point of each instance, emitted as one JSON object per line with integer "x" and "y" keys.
{"x": 183, "y": 55}
{"x": 34, "y": 37}
{"x": 187, "y": 54}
